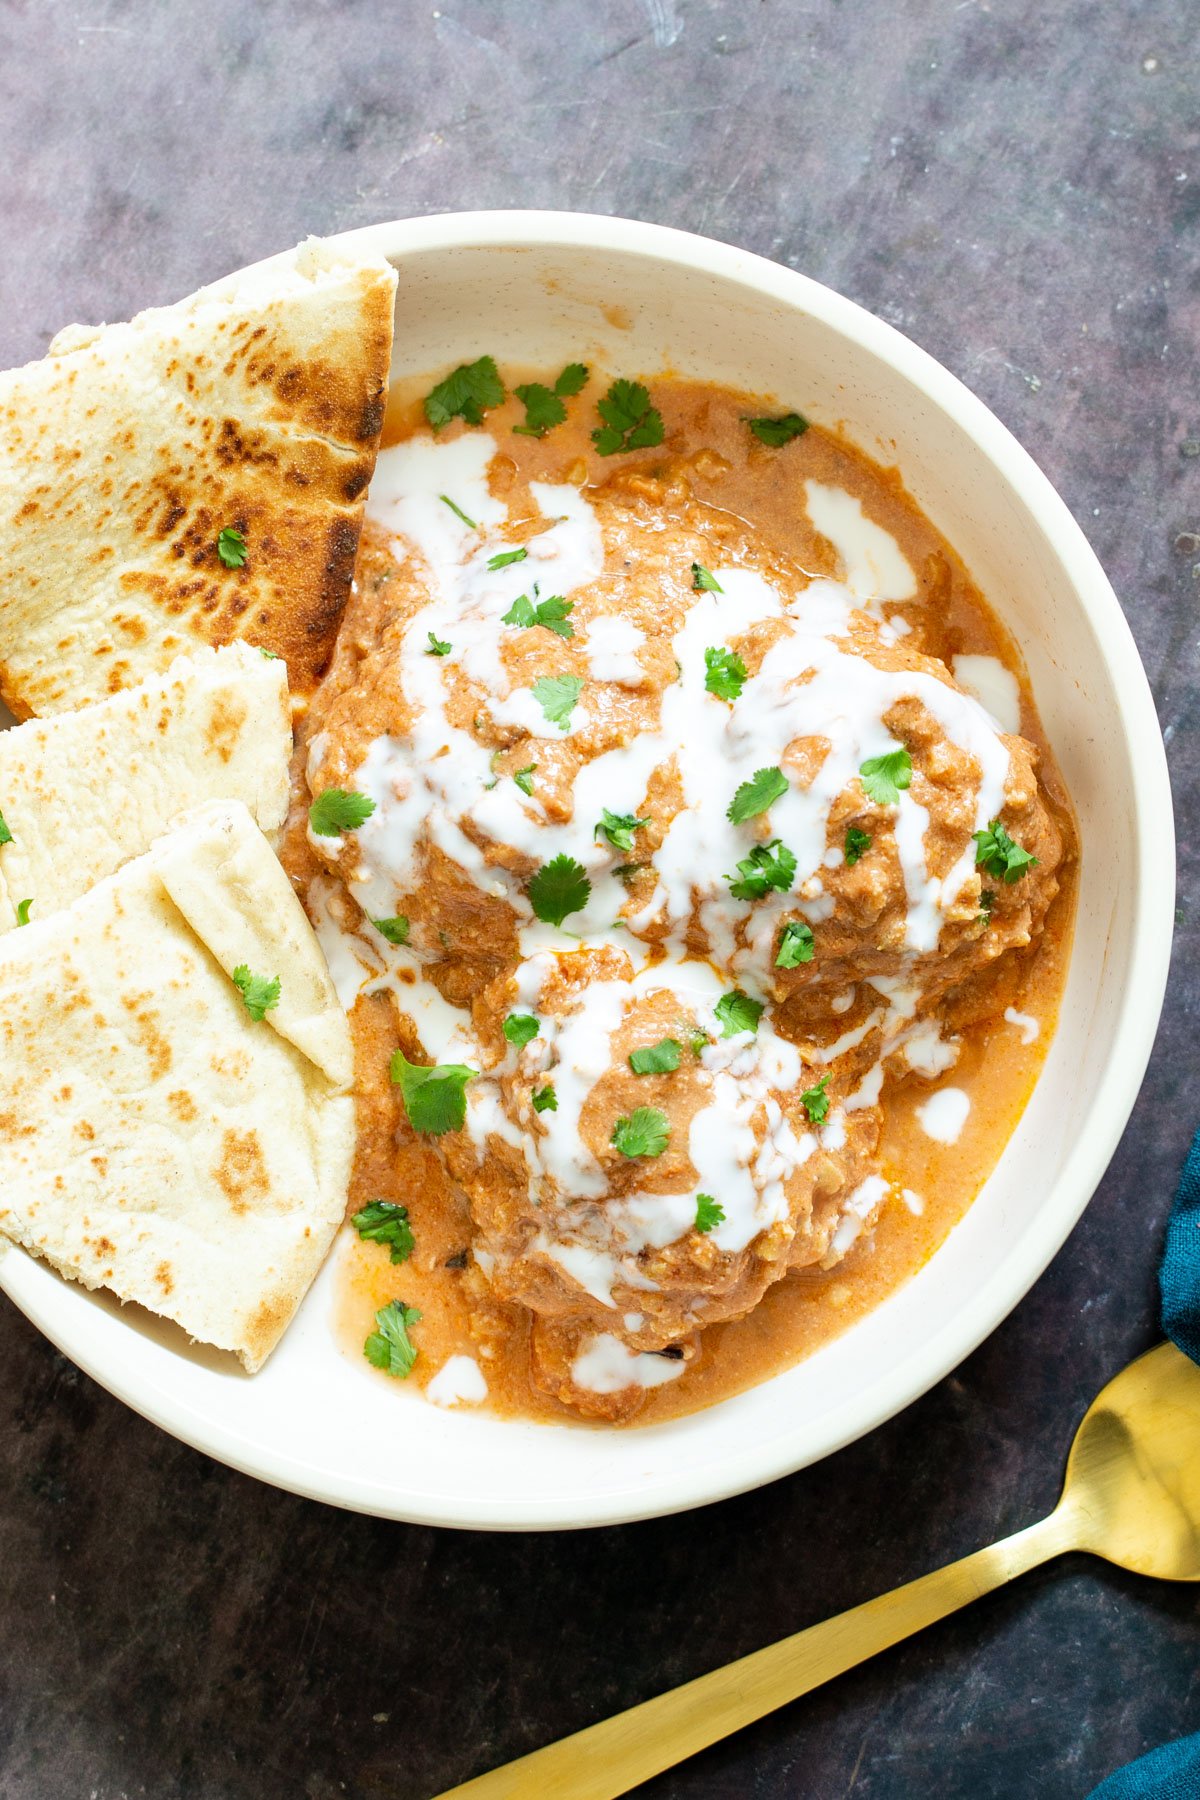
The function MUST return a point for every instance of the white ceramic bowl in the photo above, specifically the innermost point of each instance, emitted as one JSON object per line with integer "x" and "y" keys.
{"x": 545, "y": 289}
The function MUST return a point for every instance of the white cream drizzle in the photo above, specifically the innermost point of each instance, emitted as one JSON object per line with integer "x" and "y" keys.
{"x": 874, "y": 566}
{"x": 606, "y": 1366}
{"x": 1025, "y": 1023}
{"x": 944, "y": 1114}
{"x": 459, "y": 1382}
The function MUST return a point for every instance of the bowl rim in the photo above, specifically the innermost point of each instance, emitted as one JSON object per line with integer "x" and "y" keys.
{"x": 1133, "y": 1028}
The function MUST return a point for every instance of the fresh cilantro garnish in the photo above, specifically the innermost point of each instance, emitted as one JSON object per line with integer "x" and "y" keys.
{"x": 394, "y": 930}
{"x": 646, "y": 1132}
{"x": 630, "y": 421}
{"x": 503, "y": 558}
{"x": 554, "y": 613}
{"x": 23, "y": 907}
{"x": 338, "y": 810}
{"x": 524, "y": 778}
{"x": 698, "y": 1043}
{"x": 999, "y": 855}
{"x": 389, "y": 1346}
{"x": 986, "y": 902}
{"x": 796, "y": 946}
{"x": 767, "y": 866}
{"x": 545, "y": 1099}
{"x": 231, "y": 547}
{"x": 543, "y": 405}
{"x": 815, "y": 1101}
{"x": 458, "y": 512}
{"x": 466, "y": 393}
{"x": 438, "y": 646}
{"x": 738, "y": 1012}
{"x": 884, "y": 776}
{"x": 557, "y": 696}
{"x": 559, "y": 887}
{"x": 271, "y": 655}
{"x": 434, "y": 1099}
{"x": 259, "y": 994}
{"x": 656, "y": 1059}
{"x": 857, "y": 844}
{"x": 619, "y": 828}
{"x": 6, "y": 836}
{"x": 704, "y": 581}
{"x": 383, "y": 1222}
{"x": 709, "y": 1214}
{"x": 521, "y": 1029}
{"x": 762, "y": 790}
{"x": 726, "y": 672}
{"x": 777, "y": 432}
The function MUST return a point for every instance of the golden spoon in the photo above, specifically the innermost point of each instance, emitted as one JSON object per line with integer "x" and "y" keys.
{"x": 1132, "y": 1495}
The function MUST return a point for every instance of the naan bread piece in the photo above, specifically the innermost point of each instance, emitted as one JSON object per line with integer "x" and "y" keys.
{"x": 254, "y": 405}
{"x": 156, "y": 1139}
{"x": 83, "y": 793}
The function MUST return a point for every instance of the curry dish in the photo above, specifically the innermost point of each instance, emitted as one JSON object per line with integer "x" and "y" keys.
{"x": 706, "y": 926}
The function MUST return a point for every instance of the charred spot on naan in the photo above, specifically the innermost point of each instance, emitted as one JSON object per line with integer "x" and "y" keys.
{"x": 242, "y": 1173}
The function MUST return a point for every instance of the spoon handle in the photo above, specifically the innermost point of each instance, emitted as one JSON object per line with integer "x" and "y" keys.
{"x": 608, "y": 1759}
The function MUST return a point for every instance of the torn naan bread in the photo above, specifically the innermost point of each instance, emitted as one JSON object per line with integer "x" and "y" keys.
{"x": 82, "y": 793}
{"x": 253, "y": 406}
{"x": 157, "y": 1139}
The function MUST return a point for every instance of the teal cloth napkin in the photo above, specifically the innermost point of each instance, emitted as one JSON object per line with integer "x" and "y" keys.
{"x": 1173, "y": 1773}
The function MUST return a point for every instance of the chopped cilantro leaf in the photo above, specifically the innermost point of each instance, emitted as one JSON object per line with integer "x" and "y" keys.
{"x": 438, "y": 646}
{"x": 738, "y": 1012}
{"x": 999, "y": 855}
{"x": 458, "y": 512}
{"x": 545, "y": 1099}
{"x": 767, "y": 866}
{"x": 394, "y": 930}
{"x": 259, "y": 994}
{"x": 23, "y": 907}
{"x": 704, "y": 581}
{"x": 796, "y": 946}
{"x": 466, "y": 393}
{"x": 630, "y": 421}
{"x": 856, "y": 846}
{"x": 709, "y": 1214}
{"x": 986, "y": 902}
{"x": 815, "y": 1101}
{"x": 698, "y": 1043}
{"x": 884, "y": 776}
{"x": 543, "y": 409}
{"x": 434, "y": 1099}
{"x": 559, "y": 887}
{"x": 572, "y": 381}
{"x": 777, "y": 432}
{"x": 338, "y": 810}
{"x": 520, "y": 612}
{"x": 557, "y": 696}
{"x": 383, "y": 1222}
{"x": 524, "y": 778}
{"x": 726, "y": 672}
{"x": 389, "y": 1346}
{"x": 619, "y": 828}
{"x": 503, "y": 558}
{"x": 6, "y": 836}
{"x": 646, "y": 1132}
{"x": 521, "y": 1028}
{"x": 271, "y": 655}
{"x": 656, "y": 1059}
{"x": 231, "y": 547}
{"x": 553, "y": 612}
{"x": 764, "y": 787}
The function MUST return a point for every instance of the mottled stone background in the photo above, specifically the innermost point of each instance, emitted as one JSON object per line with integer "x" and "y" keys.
{"x": 1016, "y": 186}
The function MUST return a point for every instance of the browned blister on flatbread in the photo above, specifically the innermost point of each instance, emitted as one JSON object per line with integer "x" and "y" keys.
{"x": 254, "y": 406}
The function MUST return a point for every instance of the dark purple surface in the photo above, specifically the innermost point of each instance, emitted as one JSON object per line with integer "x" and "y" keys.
{"x": 1018, "y": 188}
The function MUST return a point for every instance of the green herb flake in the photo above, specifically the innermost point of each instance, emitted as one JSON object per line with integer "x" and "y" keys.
{"x": 389, "y": 1346}
{"x": 554, "y": 613}
{"x": 503, "y": 558}
{"x": 725, "y": 674}
{"x": 630, "y": 421}
{"x": 6, "y": 836}
{"x": 815, "y": 1102}
{"x": 796, "y": 946}
{"x": 883, "y": 777}
{"x": 394, "y": 930}
{"x": 23, "y": 907}
{"x": 762, "y": 790}
{"x": 338, "y": 810}
{"x": 656, "y": 1059}
{"x": 383, "y": 1222}
{"x": 738, "y": 1012}
{"x": 438, "y": 646}
{"x": 987, "y": 900}
{"x": 524, "y": 778}
{"x": 777, "y": 432}
{"x": 646, "y": 1132}
{"x": 560, "y": 887}
{"x": 458, "y": 512}
{"x": 557, "y": 695}
{"x": 435, "y": 1099}
{"x": 619, "y": 828}
{"x": 466, "y": 393}
{"x": 768, "y": 866}
{"x": 259, "y": 995}
{"x": 856, "y": 846}
{"x": 231, "y": 547}
{"x": 1000, "y": 856}
{"x": 545, "y": 1099}
{"x": 704, "y": 581}
{"x": 543, "y": 405}
{"x": 271, "y": 655}
{"x": 709, "y": 1214}
{"x": 521, "y": 1028}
